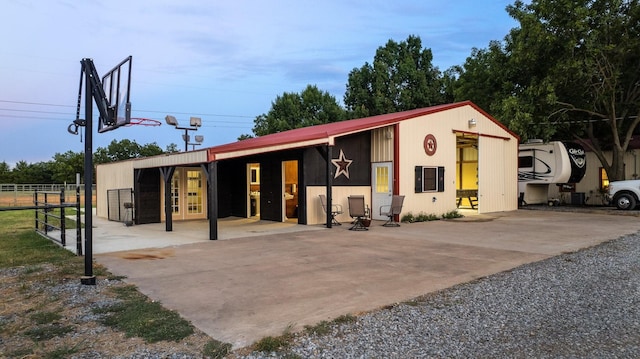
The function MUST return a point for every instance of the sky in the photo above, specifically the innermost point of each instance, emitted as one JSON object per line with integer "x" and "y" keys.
{"x": 222, "y": 61}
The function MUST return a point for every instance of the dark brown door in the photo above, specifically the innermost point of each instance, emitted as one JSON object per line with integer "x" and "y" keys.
{"x": 271, "y": 191}
{"x": 148, "y": 196}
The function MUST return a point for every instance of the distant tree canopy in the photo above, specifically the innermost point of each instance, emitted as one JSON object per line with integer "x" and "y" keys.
{"x": 570, "y": 71}
{"x": 124, "y": 150}
{"x": 5, "y": 173}
{"x": 401, "y": 78}
{"x": 171, "y": 148}
{"x": 64, "y": 166}
{"x": 244, "y": 136}
{"x": 40, "y": 172}
{"x": 293, "y": 110}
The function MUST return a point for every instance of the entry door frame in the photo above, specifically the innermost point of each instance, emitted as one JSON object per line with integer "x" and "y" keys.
{"x": 382, "y": 198}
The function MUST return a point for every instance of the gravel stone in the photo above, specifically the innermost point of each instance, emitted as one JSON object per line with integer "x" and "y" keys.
{"x": 577, "y": 305}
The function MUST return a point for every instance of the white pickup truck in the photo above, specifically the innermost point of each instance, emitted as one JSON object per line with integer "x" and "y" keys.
{"x": 624, "y": 194}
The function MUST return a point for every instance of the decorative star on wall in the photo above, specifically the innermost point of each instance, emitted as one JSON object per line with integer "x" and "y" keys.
{"x": 342, "y": 165}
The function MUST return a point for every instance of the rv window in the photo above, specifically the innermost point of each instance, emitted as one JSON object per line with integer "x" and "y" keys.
{"x": 525, "y": 162}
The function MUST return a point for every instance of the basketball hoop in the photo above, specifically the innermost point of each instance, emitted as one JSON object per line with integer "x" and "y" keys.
{"x": 139, "y": 121}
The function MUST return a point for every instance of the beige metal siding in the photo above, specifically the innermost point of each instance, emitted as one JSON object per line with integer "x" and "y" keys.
{"x": 411, "y": 135}
{"x": 111, "y": 176}
{"x": 500, "y": 154}
{"x": 315, "y": 214}
{"x": 173, "y": 159}
{"x": 497, "y": 175}
{"x": 120, "y": 174}
{"x": 511, "y": 174}
{"x": 382, "y": 144}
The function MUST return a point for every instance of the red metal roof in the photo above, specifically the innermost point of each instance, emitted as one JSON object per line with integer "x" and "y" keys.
{"x": 295, "y": 138}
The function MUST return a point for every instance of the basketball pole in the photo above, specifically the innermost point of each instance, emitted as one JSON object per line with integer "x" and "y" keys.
{"x": 89, "y": 278}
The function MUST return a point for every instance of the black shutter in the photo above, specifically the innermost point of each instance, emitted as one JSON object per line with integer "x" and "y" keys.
{"x": 418, "y": 179}
{"x": 440, "y": 179}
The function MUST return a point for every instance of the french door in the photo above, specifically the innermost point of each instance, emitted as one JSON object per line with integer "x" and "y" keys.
{"x": 188, "y": 194}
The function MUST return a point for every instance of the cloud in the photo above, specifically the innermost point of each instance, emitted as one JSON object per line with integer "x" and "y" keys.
{"x": 208, "y": 57}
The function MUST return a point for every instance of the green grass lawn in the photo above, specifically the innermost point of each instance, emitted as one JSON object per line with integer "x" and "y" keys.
{"x": 39, "y": 262}
{"x": 20, "y": 245}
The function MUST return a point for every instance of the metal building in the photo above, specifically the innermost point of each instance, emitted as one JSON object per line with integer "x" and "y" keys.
{"x": 440, "y": 158}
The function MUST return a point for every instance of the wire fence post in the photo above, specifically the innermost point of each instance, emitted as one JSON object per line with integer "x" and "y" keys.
{"x": 78, "y": 223}
{"x": 63, "y": 227}
{"x": 35, "y": 203}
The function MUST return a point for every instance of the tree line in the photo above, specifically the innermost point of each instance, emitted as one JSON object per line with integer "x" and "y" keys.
{"x": 64, "y": 166}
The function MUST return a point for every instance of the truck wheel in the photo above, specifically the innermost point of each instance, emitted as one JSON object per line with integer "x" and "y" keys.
{"x": 625, "y": 201}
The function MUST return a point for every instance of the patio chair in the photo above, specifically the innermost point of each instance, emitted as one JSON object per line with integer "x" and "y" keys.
{"x": 392, "y": 210}
{"x": 336, "y": 209}
{"x": 357, "y": 211}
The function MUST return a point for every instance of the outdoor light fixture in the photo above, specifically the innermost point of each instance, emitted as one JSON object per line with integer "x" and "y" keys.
{"x": 472, "y": 122}
{"x": 195, "y": 122}
{"x": 171, "y": 120}
{"x": 199, "y": 139}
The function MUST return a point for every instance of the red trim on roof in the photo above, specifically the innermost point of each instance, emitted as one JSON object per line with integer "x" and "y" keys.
{"x": 326, "y": 131}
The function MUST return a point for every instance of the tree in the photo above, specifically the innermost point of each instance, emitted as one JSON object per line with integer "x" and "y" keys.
{"x": 293, "y": 110}
{"x": 65, "y": 166}
{"x": 5, "y": 173}
{"x": 172, "y": 148}
{"x": 39, "y": 172}
{"x": 577, "y": 73}
{"x": 150, "y": 149}
{"x": 483, "y": 78}
{"x": 124, "y": 150}
{"x": 401, "y": 77}
{"x": 244, "y": 136}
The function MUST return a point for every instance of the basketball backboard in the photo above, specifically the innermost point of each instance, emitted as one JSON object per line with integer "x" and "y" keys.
{"x": 117, "y": 86}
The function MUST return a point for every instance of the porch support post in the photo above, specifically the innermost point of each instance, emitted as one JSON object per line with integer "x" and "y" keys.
{"x": 137, "y": 174}
{"x": 212, "y": 201}
{"x": 167, "y": 174}
{"x": 329, "y": 185}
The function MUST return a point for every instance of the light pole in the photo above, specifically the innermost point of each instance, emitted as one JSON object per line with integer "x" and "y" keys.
{"x": 194, "y": 123}
{"x": 199, "y": 139}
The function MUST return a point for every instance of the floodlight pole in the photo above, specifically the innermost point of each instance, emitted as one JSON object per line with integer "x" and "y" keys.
{"x": 186, "y": 136}
{"x": 89, "y": 278}
{"x": 194, "y": 127}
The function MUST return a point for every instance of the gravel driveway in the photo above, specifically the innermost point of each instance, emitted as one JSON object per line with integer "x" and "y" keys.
{"x": 580, "y": 305}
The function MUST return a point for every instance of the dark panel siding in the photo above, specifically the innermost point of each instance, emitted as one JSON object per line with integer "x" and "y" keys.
{"x": 232, "y": 189}
{"x": 148, "y": 196}
{"x": 356, "y": 148}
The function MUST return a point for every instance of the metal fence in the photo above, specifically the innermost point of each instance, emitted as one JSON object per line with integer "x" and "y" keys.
{"x": 17, "y": 194}
{"x": 120, "y": 205}
{"x": 52, "y": 215}
{"x": 53, "y": 187}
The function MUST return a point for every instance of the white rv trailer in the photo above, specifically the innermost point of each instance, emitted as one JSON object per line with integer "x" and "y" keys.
{"x": 542, "y": 164}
